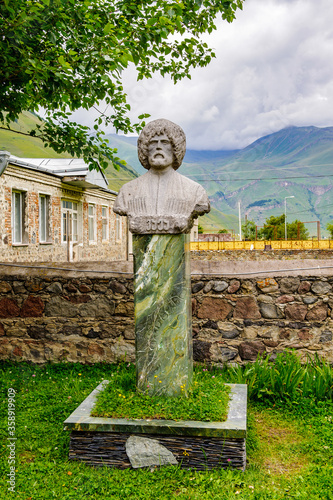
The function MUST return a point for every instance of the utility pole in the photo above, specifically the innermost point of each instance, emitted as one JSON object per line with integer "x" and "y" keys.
{"x": 240, "y": 222}
{"x": 285, "y": 215}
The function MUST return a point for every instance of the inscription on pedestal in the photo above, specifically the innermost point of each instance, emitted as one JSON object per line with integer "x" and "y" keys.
{"x": 158, "y": 225}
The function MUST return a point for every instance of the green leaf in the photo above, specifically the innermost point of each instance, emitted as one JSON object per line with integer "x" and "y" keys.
{"x": 107, "y": 28}
{"x": 66, "y": 55}
{"x": 151, "y": 21}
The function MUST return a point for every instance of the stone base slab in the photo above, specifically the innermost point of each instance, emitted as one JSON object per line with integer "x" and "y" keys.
{"x": 108, "y": 449}
{"x": 198, "y": 445}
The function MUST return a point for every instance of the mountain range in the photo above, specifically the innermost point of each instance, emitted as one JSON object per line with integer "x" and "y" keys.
{"x": 296, "y": 161}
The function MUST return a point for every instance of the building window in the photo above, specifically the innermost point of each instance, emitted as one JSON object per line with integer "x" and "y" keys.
{"x": 105, "y": 223}
{"x": 69, "y": 210}
{"x": 118, "y": 227}
{"x": 19, "y": 234}
{"x": 44, "y": 218}
{"x": 91, "y": 223}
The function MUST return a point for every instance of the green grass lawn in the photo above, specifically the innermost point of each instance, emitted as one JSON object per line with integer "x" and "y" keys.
{"x": 207, "y": 399}
{"x": 289, "y": 446}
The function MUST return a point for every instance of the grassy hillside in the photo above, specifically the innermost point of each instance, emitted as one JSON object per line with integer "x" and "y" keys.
{"x": 216, "y": 220}
{"x": 293, "y": 162}
{"x": 22, "y": 145}
{"x": 127, "y": 150}
{"x": 30, "y": 147}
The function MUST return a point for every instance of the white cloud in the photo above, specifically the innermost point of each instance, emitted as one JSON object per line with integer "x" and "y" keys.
{"x": 273, "y": 69}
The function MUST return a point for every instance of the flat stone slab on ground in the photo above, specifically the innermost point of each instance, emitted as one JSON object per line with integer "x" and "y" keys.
{"x": 145, "y": 452}
{"x": 234, "y": 426}
{"x": 199, "y": 445}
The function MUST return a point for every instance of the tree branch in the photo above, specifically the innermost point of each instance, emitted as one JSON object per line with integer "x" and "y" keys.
{"x": 22, "y": 133}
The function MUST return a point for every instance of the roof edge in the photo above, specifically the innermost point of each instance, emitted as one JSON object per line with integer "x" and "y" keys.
{"x": 4, "y": 160}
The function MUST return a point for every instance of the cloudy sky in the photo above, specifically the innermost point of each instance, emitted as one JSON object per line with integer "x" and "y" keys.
{"x": 273, "y": 69}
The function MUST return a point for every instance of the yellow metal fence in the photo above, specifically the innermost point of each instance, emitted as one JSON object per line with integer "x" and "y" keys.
{"x": 260, "y": 245}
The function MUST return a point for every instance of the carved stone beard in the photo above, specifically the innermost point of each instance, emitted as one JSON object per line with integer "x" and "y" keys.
{"x": 160, "y": 153}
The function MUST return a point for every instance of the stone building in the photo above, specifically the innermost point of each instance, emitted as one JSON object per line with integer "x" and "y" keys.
{"x": 56, "y": 210}
{"x": 214, "y": 237}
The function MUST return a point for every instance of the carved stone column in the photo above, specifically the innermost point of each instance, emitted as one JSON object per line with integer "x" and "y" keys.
{"x": 162, "y": 297}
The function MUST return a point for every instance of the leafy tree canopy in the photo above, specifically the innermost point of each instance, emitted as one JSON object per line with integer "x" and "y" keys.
{"x": 296, "y": 230}
{"x": 63, "y": 55}
{"x": 249, "y": 230}
{"x": 274, "y": 229}
{"x": 329, "y": 228}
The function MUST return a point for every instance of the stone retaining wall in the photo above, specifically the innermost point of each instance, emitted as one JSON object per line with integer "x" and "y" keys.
{"x": 232, "y": 255}
{"x": 90, "y": 320}
{"x": 235, "y": 320}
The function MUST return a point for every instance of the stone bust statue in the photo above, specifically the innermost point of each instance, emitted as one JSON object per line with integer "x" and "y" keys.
{"x": 162, "y": 201}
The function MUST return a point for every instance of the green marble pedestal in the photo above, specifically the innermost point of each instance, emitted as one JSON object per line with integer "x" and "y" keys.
{"x": 162, "y": 300}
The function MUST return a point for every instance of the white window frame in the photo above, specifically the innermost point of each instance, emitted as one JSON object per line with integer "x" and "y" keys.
{"x": 44, "y": 218}
{"x": 92, "y": 223}
{"x": 72, "y": 208}
{"x": 118, "y": 227}
{"x": 105, "y": 223}
{"x": 19, "y": 234}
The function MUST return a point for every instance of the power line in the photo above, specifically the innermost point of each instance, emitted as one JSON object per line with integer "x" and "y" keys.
{"x": 311, "y": 209}
{"x": 216, "y": 179}
{"x": 209, "y": 179}
{"x": 262, "y": 217}
{"x": 271, "y": 168}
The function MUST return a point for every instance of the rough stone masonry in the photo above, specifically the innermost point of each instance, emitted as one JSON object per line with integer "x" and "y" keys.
{"x": 58, "y": 318}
